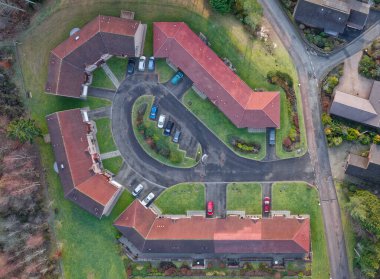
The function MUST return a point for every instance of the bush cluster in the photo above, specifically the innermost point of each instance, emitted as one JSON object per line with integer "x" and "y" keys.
{"x": 369, "y": 65}
{"x": 321, "y": 39}
{"x": 336, "y": 132}
{"x": 245, "y": 147}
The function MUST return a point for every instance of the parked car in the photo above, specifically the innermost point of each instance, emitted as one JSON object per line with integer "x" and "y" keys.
{"x": 168, "y": 128}
{"x": 177, "y": 78}
{"x": 176, "y": 136}
{"x": 131, "y": 66}
{"x": 153, "y": 112}
{"x": 210, "y": 208}
{"x": 267, "y": 204}
{"x": 148, "y": 199}
{"x": 161, "y": 121}
{"x": 142, "y": 63}
{"x": 151, "y": 64}
{"x": 272, "y": 136}
{"x": 137, "y": 190}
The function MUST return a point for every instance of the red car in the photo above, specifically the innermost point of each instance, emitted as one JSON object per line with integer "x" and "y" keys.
{"x": 267, "y": 204}
{"x": 210, "y": 208}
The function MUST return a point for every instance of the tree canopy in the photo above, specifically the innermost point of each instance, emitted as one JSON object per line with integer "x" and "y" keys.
{"x": 222, "y": 6}
{"x": 23, "y": 130}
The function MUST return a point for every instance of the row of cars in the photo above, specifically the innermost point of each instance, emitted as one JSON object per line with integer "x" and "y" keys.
{"x": 210, "y": 206}
{"x": 141, "y": 64}
{"x": 161, "y": 124}
{"x": 148, "y": 199}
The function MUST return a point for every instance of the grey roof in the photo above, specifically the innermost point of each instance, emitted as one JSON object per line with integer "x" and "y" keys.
{"x": 332, "y": 15}
{"x": 374, "y": 155}
{"x": 358, "y": 109}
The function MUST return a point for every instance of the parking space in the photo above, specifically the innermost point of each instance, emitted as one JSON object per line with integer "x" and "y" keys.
{"x": 186, "y": 140}
{"x": 267, "y": 192}
{"x": 217, "y": 192}
{"x": 180, "y": 89}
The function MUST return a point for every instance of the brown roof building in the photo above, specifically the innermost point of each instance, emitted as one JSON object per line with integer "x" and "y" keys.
{"x": 78, "y": 162}
{"x": 366, "y": 168}
{"x": 158, "y": 236}
{"x": 72, "y": 61}
{"x": 244, "y": 107}
{"x": 365, "y": 111}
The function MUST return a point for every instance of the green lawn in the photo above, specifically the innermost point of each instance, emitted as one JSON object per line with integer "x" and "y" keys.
{"x": 299, "y": 198}
{"x": 185, "y": 162}
{"x": 244, "y": 196}
{"x": 89, "y": 249}
{"x": 163, "y": 70}
{"x": 104, "y": 135}
{"x": 101, "y": 80}
{"x": 182, "y": 197}
{"x": 348, "y": 231}
{"x": 118, "y": 66}
{"x": 113, "y": 164}
{"x": 220, "y": 125}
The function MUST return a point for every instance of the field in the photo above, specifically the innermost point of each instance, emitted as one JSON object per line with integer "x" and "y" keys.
{"x": 89, "y": 249}
{"x": 244, "y": 196}
{"x": 182, "y": 197}
{"x": 104, "y": 135}
{"x": 300, "y": 198}
{"x": 113, "y": 164}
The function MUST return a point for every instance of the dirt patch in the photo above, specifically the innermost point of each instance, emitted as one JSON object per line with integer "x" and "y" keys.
{"x": 353, "y": 83}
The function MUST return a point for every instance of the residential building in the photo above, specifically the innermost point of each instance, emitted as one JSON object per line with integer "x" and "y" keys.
{"x": 72, "y": 62}
{"x": 332, "y": 16}
{"x": 364, "y": 111}
{"x": 182, "y": 48}
{"x": 366, "y": 168}
{"x": 153, "y": 237}
{"x": 78, "y": 162}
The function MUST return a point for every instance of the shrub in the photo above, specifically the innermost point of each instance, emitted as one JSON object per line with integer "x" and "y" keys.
{"x": 352, "y": 134}
{"x": 331, "y": 83}
{"x": 367, "y": 67}
{"x": 292, "y": 134}
{"x": 222, "y": 6}
{"x": 287, "y": 142}
{"x": 275, "y": 76}
{"x": 166, "y": 265}
{"x": 326, "y": 119}
{"x": 364, "y": 139}
{"x": 376, "y": 139}
{"x": 337, "y": 141}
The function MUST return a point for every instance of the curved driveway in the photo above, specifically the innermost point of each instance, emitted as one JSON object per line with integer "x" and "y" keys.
{"x": 222, "y": 165}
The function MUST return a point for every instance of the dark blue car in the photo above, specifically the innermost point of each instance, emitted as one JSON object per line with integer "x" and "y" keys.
{"x": 153, "y": 112}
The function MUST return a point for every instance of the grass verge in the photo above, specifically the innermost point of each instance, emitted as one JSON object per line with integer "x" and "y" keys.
{"x": 118, "y": 66}
{"x": 286, "y": 125}
{"x": 181, "y": 160}
{"x": 101, "y": 80}
{"x": 163, "y": 70}
{"x": 182, "y": 197}
{"x": 349, "y": 234}
{"x": 244, "y": 196}
{"x": 113, "y": 164}
{"x": 300, "y": 198}
{"x": 88, "y": 244}
{"x": 221, "y": 126}
{"x": 104, "y": 135}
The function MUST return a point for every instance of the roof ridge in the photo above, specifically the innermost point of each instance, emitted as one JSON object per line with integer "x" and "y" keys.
{"x": 91, "y": 177}
{"x": 304, "y": 224}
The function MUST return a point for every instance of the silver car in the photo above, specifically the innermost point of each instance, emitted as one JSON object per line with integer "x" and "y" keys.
{"x": 148, "y": 199}
{"x": 137, "y": 190}
{"x": 142, "y": 63}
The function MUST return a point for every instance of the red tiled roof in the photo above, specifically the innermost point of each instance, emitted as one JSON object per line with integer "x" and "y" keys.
{"x": 102, "y": 35}
{"x": 106, "y": 24}
{"x": 243, "y": 106}
{"x": 73, "y": 132}
{"x": 292, "y": 233}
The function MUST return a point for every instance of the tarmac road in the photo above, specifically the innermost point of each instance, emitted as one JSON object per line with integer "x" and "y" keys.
{"x": 222, "y": 164}
{"x": 310, "y": 70}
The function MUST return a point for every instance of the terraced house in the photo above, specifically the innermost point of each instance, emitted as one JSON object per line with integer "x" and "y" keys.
{"x": 72, "y": 62}
{"x": 151, "y": 236}
{"x": 183, "y": 49}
